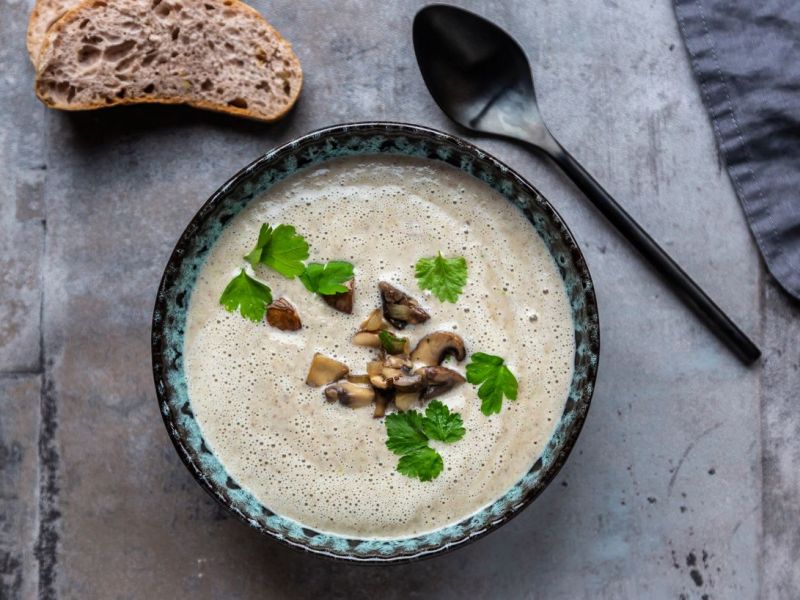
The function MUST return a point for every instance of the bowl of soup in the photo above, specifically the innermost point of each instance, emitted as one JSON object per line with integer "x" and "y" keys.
{"x": 375, "y": 343}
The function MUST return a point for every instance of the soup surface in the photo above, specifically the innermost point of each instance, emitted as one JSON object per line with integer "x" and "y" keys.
{"x": 326, "y": 465}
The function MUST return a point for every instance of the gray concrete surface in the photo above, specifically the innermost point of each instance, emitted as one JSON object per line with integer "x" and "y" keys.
{"x": 684, "y": 483}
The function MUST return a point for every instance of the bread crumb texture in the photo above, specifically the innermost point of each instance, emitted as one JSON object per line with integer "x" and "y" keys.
{"x": 215, "y": 54}
{"x": 43, "y": 15}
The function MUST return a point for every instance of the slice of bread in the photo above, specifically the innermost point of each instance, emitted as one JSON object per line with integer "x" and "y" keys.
{"x": 214, "y": 54}
{"x": 43, "y": 15}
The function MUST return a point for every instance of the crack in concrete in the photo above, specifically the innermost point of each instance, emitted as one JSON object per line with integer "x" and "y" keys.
{"x": 686, "y": 453}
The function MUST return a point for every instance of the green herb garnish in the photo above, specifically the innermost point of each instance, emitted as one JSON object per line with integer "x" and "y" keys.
{"x": 391, "y": 343}
{"x": 409, "y": 433}
{"x": 440, "y": 424}
{"x": 425, "y": 464}
{"x": 248, "y": 295}
{"x": 281, "y": 249}
{"x": 405, "y": 431}
{"x": 328, "y": 279}
{"x": 495, "y": 378}
{"x": 445, "y": 277}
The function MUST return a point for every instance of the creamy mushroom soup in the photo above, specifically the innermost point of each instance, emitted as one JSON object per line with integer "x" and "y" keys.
{"x": 325, "y": 463}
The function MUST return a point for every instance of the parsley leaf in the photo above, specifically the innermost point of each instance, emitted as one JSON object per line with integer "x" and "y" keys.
{"x": 281, "y": 249}
{"x": 425, "y": 464}
{"x": 409, "y": 433}
{"x": 440, "y": 424}
{"x": 248, "y": 295}
{"x": 496, "y": 379}
{"x": 328, "y": 279}
{"x": 445, "y": 277}
{"x": 405, "y": 432}
{"x": 391, "y": 343}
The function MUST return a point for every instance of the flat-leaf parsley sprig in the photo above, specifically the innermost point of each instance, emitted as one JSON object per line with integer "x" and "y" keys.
{"x": 445, "y": 277}
{"x": 281, "y": 249}
{"x": 328, "y": 279}
{"x": 247, "y": 295}
{"x": 495, "y": 378}
{"x": 408, "y": 435}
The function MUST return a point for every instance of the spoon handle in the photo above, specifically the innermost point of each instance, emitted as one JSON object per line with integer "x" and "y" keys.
{"x": 674, "y": 275}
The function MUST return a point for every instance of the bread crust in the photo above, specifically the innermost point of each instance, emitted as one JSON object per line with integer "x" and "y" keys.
{"x": 66, "y": 18}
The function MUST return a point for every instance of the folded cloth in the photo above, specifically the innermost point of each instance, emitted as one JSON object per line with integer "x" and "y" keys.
{"x": 746, "y": 57}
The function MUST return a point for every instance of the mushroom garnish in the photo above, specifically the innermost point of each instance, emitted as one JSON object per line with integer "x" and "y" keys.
{"x": 374, "y": 322}
{"x": 358, "y": 378}
{"x": 399, "y": 308}
{"x": 411, "y": 382}
{"x": 343, "y": 302}
{"x": 397, "y": 362}
{"x": 283, "y": 315}
{"x": 349, "y": 394}
{"x": 438, "y": 380}
{"x": 325, "y": 370}
{"x": 367, "y": 338}
{"x": 404, "y": 401}
{"x": 381, "y": 402}
{"x": 434, "y": 347}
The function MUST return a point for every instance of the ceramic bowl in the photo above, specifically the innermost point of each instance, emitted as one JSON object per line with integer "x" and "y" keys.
{"x": 169, "y": 319}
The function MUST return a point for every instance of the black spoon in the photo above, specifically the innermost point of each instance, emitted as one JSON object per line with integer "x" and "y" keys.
{"x": 480, "y": 77}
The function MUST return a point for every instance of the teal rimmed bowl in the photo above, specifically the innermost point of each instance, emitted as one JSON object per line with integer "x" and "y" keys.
{"x": 169, "y": 319}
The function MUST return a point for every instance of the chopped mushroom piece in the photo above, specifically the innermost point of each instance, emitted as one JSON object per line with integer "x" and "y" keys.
{"x": 374, "y": 322}
{"x": 412, "y": 382}
{"x": 325, "y": 370}
{"x": 349, "y": 394}
{"x": 399, "y": 308}
{"x": 283, "y": 315}
{"x": 358, "y": 378}
{"x": 404, "y": 401}
{"x": 434, "y": 347}
{"x": 343, "y": 302}
{"x": 391, "y": 372}
{"x": 374, "y": 367}
{"x": 367, "y": 338}
{"x": 438, "y": 380}
{"x": 397, "y": 362}
{"x": 381, "y": 402}
{"x": 379, "y": 382}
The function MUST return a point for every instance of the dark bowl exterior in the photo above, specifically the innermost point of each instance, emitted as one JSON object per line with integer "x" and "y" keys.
{"x": 187, "y": 258}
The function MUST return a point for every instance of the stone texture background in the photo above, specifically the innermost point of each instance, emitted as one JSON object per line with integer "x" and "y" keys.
{"x": 684, "y": 483}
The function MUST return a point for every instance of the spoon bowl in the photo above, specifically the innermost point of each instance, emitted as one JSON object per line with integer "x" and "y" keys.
{"x": 478, "y": 74}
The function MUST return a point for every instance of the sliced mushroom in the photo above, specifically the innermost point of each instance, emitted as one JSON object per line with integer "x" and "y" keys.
{"x": 358, "y": 378}
{"x": 404, "y": 401}
{"x": 325, "y": 370}
{"x": 434, "y": 347}
{"x": 411, "y": 382}
{"x": 374, "y": 322}
{"x": 374, "y": 367}
{"x": 438, "y": 380}
{"x": 381, "y": 402}
{"x": 343, "y": 302}
{"x": 379, "y": 382}
{"x": 399, "y": 361}
{"x": 367, "y": 338}
{"x": 391, "y": 372}
{"x": 399, "y": 308}
{"x": 349, "y": 394}
{"x": 283, "y": 315}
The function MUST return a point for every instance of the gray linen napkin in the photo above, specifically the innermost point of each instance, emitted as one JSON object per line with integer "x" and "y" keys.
{"x": 746, "y": 57}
